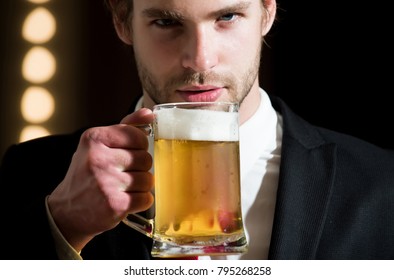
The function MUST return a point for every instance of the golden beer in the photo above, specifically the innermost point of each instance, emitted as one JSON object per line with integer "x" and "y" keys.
{"x": 197, "y": 181}
{"x": 197, "y": 190}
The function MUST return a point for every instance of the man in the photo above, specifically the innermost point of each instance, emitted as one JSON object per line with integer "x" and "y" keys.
{"x": 307, "y": 193}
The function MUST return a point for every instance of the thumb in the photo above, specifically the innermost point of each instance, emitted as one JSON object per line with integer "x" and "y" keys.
{"x": 140, "y": 117}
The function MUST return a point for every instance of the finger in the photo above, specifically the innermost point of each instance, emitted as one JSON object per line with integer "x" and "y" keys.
{"x": 115, "y": 136}
{"x": 133, "y": 160}
{"x": 134, "y": 182}
{"x": 142, "y": 116}
{"x": 139, "y": 202}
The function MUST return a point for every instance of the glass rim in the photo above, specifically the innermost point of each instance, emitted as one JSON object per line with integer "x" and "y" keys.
{"x": 185, "y": 104}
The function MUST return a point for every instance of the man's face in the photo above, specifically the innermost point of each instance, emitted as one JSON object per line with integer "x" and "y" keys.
{"x": 197, "y": 50}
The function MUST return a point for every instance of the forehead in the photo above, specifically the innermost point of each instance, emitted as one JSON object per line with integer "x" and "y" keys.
{"x": 191, "y": 8}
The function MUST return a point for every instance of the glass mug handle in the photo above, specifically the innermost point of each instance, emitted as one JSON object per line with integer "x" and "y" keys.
{"x": 136, "y": 221}
{"x": 140, "y": 224}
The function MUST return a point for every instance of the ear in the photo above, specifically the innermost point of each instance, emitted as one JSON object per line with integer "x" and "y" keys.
{"x": 269, "y": 17}
{"x": 124, "y": 31}
{"x": 120, "y": 19}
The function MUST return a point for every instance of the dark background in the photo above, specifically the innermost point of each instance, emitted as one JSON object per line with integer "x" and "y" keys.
{"x": 331, "y": 62}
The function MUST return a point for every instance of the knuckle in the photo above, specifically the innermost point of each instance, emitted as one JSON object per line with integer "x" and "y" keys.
{"x": 91, "y": 135}
{"x": 95, "y": 160}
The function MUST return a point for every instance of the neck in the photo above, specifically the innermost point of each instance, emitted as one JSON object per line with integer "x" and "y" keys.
{"x": 250, "y": 104}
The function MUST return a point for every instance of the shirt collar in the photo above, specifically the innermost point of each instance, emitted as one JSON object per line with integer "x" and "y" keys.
{"x": 258, "y": 134}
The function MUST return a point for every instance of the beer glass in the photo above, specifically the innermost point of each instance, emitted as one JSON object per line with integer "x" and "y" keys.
{"x": 197, "y": 181}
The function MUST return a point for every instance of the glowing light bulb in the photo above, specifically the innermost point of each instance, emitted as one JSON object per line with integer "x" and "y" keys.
{"x": 38, "y": 1}
{"x": 39, "y": 26}
{"x": 39, "y": 65}
{"x": 37, "y": 105}
{"x": 32, "y": 131}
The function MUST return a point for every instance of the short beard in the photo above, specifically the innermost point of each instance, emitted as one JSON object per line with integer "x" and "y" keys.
{"x": 238, "y": 87}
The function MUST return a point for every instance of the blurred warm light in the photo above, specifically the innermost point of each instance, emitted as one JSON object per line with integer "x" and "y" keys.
{"x": 39, "y": 26}
{"x": 37, "y": 105}
{"x": 38, "y": 1}
{"x": 39, "y": 65}
{"x": 32, "y": 131}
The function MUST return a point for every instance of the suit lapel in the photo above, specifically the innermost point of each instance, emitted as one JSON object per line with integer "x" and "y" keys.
{"x": 306, "y": 178}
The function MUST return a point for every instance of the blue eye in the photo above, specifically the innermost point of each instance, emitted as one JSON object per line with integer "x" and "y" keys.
{"x": 228, "y": 17}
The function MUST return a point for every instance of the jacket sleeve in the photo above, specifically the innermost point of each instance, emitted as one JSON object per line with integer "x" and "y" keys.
{"x": 28, "y": 173}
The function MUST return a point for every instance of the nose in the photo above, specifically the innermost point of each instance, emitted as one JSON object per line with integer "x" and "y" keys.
{"x": 200, "y": 53}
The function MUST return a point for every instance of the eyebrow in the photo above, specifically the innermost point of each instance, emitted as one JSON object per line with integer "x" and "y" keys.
{"x": 162, "y": 13}
{"x": 242, "y": 6}
{"x": 159, "y": 13}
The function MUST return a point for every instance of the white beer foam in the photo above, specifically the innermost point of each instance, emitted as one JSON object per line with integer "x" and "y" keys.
{"x": 197, "y": 124}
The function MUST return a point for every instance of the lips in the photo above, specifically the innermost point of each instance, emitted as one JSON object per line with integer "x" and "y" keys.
{"x": 203, "y": 93}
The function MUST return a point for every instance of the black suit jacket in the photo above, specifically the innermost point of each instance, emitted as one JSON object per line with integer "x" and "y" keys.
{"x": 335, "y": 198}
